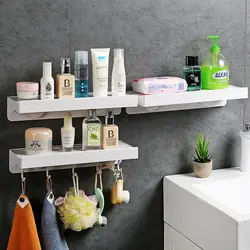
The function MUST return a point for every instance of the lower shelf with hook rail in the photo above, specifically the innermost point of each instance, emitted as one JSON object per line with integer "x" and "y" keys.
{"x": 57, "y": 159}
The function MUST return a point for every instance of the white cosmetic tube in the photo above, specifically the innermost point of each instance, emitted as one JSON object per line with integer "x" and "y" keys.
{"x": 100, "y": 66}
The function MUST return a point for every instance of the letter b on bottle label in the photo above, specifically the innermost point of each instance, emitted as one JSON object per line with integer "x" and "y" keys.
{"x": 110, "y": 134}
{"x": 66, "y": 83}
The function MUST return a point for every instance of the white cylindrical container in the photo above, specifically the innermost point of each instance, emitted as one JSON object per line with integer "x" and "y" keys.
{"x": 38, "y": 140}
{"x": 245, "y": 149}
{"x": 47, "y": 82}
{"x": 27, "y": 90}
{"x": 118, "y": 74}
{"x": 100, "y": 66}
{"x": 68, "y": 133}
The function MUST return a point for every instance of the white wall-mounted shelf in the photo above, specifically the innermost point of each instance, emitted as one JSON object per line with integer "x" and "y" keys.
{"x": 57, "y": 159}
{"x": 54, "y": 109}
{"x": 187, "y": 100}
{"x": 133, "y": 102}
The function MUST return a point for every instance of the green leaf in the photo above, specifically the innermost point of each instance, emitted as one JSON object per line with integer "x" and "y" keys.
{"x": 94, "y": 136}
{"x": 204, "y": 142}
{"x": 202, "y": 149}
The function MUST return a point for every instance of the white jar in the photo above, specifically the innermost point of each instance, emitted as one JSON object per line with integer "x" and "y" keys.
{"x": 27, "y": 90}
{"x": 38, "y": 140}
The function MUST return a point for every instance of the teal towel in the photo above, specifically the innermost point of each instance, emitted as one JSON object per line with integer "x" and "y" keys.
{"x": 52, "y": 234}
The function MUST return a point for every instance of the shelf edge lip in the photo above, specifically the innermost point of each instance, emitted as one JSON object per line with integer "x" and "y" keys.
{"x": 76, "y": 104}
{"x": 23, "y": 162}
{"x": 147, "y": 101}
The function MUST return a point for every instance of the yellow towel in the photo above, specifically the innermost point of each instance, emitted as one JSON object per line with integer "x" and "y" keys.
{"x": 23, "y": 234}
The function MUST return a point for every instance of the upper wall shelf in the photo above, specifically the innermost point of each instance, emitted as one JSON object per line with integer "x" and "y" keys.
{"x": 53, "y": 109}
{"x": 133, "y": 102}
{"x": 187, "y": 100}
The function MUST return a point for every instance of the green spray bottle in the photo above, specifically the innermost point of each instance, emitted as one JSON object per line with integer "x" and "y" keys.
{"x": 215, "y": 68}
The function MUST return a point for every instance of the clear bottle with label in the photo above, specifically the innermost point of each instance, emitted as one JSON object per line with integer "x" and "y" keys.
{"x": 91, "y": 132}
{"x": 67, "y": 133}
{"x": 65, "y": 82}
{"x": 110, "y": 132}
{"x": 81, "y": 74}
{"x": 47, "y": 82}
{"x": 191, "y": 72}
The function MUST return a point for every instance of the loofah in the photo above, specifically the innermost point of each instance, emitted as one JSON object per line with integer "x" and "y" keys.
{"x": 79, "y": 212}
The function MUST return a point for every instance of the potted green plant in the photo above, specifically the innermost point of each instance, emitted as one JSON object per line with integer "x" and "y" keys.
{"x": 203, "y": 164}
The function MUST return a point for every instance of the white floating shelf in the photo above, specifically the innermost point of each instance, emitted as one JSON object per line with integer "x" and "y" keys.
{"x": 53, "y": 109}
{"x": 188, "y": 100}
{"x": 57, "y": 159}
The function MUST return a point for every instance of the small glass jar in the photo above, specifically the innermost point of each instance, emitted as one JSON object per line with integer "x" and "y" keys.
{"x": 191, "y": 72}
{"x": 38, "y": 140}
{"x": 27, "y": 90}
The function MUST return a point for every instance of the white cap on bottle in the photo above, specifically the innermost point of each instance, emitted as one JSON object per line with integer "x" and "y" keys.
{"x": 67, "y": 120}
{"x": 126, "y": 196}
{"x": 119, "y": 53}
{"x": 47, "y": 69}
{"x": 81, "y": 57}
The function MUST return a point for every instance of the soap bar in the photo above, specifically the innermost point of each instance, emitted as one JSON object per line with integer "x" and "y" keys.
{"x": 159, "y": 85}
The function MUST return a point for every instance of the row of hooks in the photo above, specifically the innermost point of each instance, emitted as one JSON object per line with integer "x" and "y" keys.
{"x": 114, "y": 167}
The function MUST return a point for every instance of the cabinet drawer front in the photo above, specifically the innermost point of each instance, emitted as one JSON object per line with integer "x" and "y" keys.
{"x": 173, "y": 240}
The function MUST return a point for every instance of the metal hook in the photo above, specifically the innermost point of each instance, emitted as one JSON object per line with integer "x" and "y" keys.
{"x": 23, "y": 183}
{"x": 47, "y": 173}
{"x": 48, "y": 180}
{"x": 98, "y": 172}
{"x": 118, "y": 171}
{"x": 75, "y": 181}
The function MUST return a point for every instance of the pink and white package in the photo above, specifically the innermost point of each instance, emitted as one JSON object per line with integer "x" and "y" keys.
{"x": 159, "y": 85}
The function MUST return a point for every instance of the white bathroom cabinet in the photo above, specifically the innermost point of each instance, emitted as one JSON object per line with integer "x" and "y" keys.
{"x": 173, "y": 240}
{"x": 210, "y": 213}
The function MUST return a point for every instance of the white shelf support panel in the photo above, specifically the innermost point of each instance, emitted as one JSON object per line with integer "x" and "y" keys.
{"x": 187, "y": 100}
{"x": 57, "y": 159}
{"x": 55, "y": 109}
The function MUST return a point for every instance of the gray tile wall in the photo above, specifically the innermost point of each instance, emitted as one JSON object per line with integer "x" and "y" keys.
{"x": 156, "y": 36}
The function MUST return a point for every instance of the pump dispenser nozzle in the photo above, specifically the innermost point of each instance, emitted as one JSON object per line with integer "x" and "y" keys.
{"x": 215, "y": 49}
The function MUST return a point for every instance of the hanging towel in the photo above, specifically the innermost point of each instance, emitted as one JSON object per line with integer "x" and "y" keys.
{"x": 52, "y": 235}
{"x": 23, "y": 234}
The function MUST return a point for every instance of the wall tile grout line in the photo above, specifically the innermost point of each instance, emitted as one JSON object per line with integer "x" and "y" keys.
{"x": 245, "y": 61}
{"x": 69, "y": 16}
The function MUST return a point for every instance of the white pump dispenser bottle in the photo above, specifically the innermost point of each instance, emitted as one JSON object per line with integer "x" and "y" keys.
{"x": 118, "y": 74}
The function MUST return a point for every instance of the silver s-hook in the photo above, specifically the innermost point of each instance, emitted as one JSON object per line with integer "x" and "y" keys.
{"x": 75, "y": 181}
{"x": 48, "y": 180}
{"x": 23, "y": 183}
